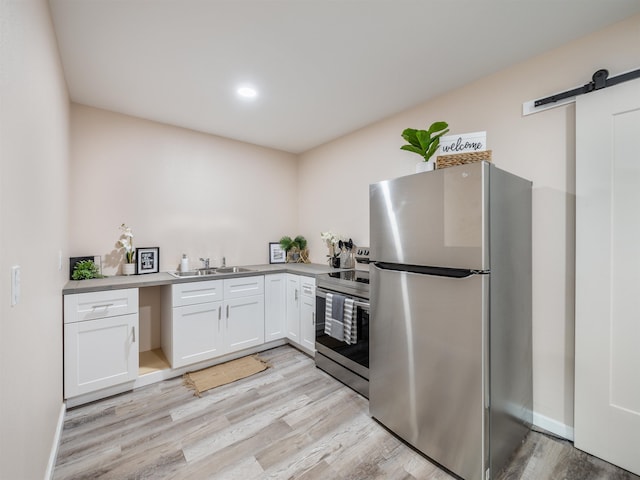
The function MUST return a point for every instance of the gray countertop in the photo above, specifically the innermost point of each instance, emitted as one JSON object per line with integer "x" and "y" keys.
{"x": 164, "y": 278}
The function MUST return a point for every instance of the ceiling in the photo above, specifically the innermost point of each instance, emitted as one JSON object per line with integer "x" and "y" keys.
{"x": 322, "y": 68}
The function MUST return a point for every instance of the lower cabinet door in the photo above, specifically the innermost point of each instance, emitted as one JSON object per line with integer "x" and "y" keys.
{"x": 244, "y": 322}
{"x": 308, "y": 323}
{"x": 293, "y": 308}
{"x": 197, "y": 333}
{"x": 275, "y": 307}
{"x": 100, "y": 354}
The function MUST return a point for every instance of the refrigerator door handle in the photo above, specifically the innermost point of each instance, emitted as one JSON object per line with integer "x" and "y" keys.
{"x": 427, "y": 270}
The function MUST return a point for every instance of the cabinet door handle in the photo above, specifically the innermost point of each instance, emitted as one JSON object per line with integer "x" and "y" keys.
{"x": 313, "y": 318}
{"x": 227, "y": 316}
{"x": 105, "y": 306}
{"x": 296, "y": 295}
{"x": 133, "y": 332}
{"x": 219, "y": 316}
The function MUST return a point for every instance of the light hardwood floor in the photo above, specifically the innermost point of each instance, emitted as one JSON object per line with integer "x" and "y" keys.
{"x": 291, "y": 421}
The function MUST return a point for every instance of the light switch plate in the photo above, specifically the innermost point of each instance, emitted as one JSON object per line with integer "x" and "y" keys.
{"x": 15, "y": 285}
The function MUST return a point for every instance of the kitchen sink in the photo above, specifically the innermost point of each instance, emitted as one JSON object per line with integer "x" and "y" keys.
{"x": 195, "y": 273}
{"x": 201, "y": 272}
{"x": 233, "y": 269}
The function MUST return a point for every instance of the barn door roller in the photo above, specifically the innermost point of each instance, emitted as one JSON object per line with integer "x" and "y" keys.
{"x": 599, "y": 80}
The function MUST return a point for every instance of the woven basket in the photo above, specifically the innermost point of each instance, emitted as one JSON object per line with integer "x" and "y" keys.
{"x": 445, "y": 161}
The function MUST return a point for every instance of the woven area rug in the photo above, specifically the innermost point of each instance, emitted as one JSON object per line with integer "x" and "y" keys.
{"x": 228, "y": 372}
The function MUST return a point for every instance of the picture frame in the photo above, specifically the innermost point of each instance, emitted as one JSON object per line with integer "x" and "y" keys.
{"x": 276, "y": 253}
{"x": 147, "y": 260}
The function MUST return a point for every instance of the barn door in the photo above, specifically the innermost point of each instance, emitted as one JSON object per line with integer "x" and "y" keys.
{"x": 607, "y": 388}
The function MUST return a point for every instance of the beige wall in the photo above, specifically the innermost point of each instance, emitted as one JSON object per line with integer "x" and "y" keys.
{"x": 33, "y": 218}
{"x": 180, "y": 190}
{"x": 334, "y": 179}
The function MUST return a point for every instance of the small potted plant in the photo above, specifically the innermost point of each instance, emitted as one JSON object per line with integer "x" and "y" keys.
{"x": 296, "y": 249}
{"x": 126, "y": 242}
{"x": 424, "y": 143}
{"x": 85, "y": 269}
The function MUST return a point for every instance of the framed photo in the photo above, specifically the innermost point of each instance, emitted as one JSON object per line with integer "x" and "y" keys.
{"x": 276, "y": 253}
{"x": 147, "y": 260}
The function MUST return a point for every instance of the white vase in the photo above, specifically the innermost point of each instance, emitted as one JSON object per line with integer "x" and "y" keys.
{"x": 424, "y": 166}
{"x": 129, "y": 269}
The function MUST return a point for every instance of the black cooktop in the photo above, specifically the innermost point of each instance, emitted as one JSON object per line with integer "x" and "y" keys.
{"x": 352, "y": 275}
{"x": 349, "y": 282}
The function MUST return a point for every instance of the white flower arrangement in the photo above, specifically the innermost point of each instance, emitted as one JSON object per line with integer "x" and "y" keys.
{"x": 126, "y": 242}
{"x": 330, "y": 238}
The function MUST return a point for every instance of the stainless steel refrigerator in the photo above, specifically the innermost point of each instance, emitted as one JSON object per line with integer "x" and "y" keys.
{"x": 450, "y": 327}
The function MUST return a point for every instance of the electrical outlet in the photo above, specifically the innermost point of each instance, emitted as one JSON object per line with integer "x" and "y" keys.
{"x": 15, "y": 285}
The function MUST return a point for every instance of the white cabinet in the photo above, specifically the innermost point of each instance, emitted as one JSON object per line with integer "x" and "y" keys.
{"x": 192, "y": 322}
{"x": 301, "y": 306}
{"x": 275, "y": 307}
{"x": 207, "y": 319}
{"x": 308, "y": 313}
{"x": 244, "y": 312}
{"x": 197, "y": 333}
{"x": 244, "y": 322}
{"x": 100, "y": 340}
{"x": 293, "y": 308}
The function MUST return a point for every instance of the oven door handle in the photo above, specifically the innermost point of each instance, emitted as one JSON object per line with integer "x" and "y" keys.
{"x": 363, "y": 305}
{"x": 356, "y": 303}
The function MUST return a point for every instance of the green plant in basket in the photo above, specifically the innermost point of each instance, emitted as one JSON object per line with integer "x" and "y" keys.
{"x": 296, "y": 248}
{"x": 424, "y": 142}
{"x": 85, "y": 269}
{"x": 287, "y": 243}
{"x": 301, "y": 242}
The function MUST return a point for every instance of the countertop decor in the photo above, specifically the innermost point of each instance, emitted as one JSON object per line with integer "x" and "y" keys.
{"x": 126, "y": 241}
{"x": 85, "y": 270}
{"x": 296, "y": 249}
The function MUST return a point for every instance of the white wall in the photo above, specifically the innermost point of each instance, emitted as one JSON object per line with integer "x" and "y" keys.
{"x": 180, "y": 190}
{"x": 33, "y": 215}
{"x": 334, "y": 179}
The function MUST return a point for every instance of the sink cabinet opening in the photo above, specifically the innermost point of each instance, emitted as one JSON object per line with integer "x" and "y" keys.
{"x": 151, "y": 357}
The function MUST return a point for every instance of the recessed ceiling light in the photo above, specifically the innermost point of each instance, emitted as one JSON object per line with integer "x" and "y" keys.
{"x": 247, "y": 92}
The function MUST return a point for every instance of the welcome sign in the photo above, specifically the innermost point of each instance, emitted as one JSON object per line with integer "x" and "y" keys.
{"x": 464, "y": 143}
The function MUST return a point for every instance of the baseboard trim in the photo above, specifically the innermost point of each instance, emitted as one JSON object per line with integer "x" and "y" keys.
{"x": 553, "y": 426}
{"x": 56, "y": 443}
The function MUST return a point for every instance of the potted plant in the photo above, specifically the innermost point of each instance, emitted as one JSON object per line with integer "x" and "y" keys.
{"x": 126, "y": 242}
{"x": 85, "y": 269}
{"x": 296, "y": 249}
{"x": 424, "y": 143}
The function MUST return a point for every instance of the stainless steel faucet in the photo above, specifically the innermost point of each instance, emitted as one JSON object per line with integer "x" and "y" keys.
{"x": 205, "y": 261}
{"x": 224, "y": 262}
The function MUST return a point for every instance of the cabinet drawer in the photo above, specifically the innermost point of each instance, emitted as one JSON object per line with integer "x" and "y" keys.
{"x": 80, "y": 307}
{"x": 243, "y": 287}
{"x": 308, "y": 287}
{"x": 193, "y": 293}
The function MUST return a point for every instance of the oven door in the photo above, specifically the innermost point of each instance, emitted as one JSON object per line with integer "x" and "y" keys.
{"x": 355, "y": 356}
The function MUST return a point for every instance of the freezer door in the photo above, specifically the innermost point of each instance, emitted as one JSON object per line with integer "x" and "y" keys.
{"x": 428, "y": 353}
{"x": 435, "y": 218}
